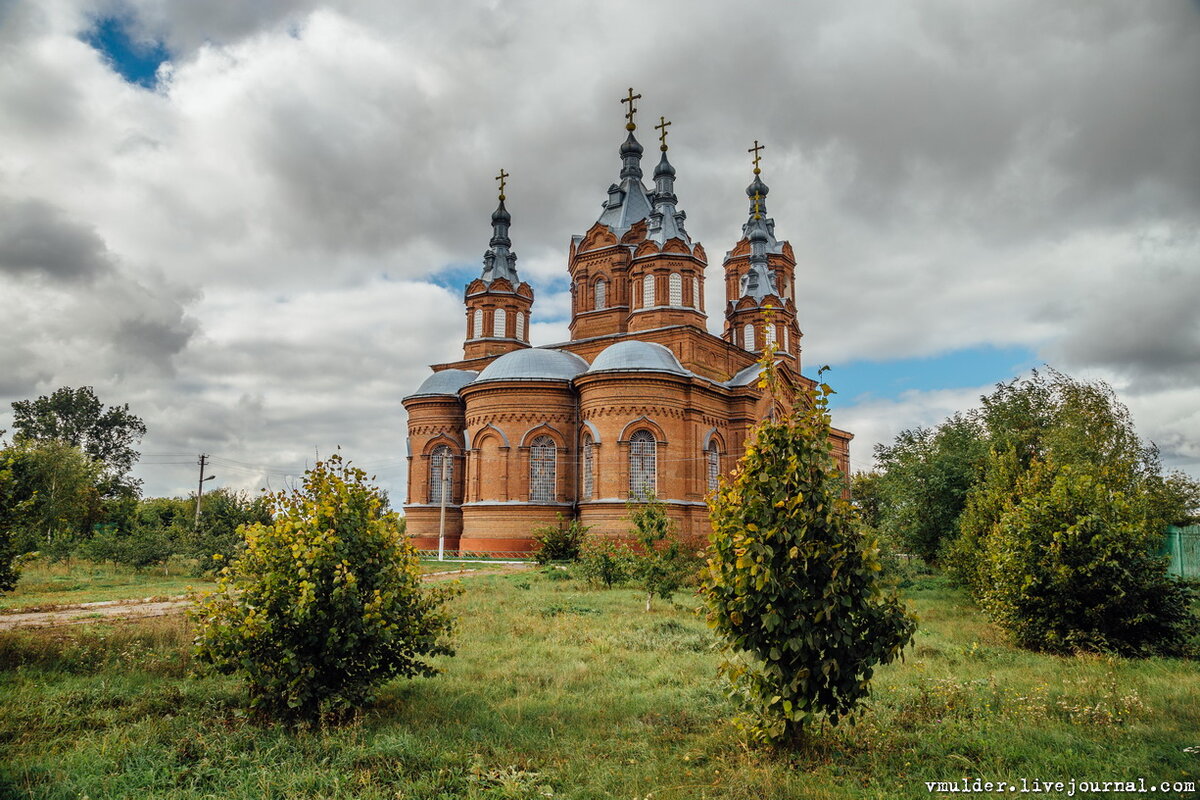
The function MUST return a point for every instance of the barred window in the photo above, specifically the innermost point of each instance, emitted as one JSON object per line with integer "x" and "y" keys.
{"x": 643, "y": 464}
{"x": 542, "y": 456}
{"x": 601, "y": 294}
{"x": 520, "y": 326}
{"x": 748, "y": 337}
{"x": 713, "y": 459}
{"x": 440, "y": 459}
{"x": 675, "y": 285}
{"x": 768, "y": 334}
{"x": 498, "y": 322}
{"x": 589, "y": 467}
{"x": 648, "y": 294}
{"x": 786, "y": 344}
{"x": 477, "y": 328}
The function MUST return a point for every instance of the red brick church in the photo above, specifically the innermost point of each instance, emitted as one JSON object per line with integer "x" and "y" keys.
{"x": 642, "y": 398}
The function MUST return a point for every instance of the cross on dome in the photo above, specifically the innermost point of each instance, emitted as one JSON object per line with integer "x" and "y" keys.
{"x": 629, "y": 124}
{"x": 662, "y": 125}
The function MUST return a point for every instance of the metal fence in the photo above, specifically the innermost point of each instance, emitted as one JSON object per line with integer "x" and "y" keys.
{"x": 1183, "y": 546}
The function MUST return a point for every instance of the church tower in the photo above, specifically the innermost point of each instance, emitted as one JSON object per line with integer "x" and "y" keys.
{"x": 498, "y": 302}
{"x": 760, "y": 274}
{"x": 667, "y": 270}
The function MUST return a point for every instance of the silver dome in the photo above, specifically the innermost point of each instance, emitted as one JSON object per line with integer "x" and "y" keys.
{"x": 533, "y": 364}
{"x": 634, "y": 356}
{"x": 448, "y": 381}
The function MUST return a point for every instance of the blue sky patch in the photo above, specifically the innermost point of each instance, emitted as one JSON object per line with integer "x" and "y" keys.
{"x": 135, "y": 60}
{"x": 858, "y": 381}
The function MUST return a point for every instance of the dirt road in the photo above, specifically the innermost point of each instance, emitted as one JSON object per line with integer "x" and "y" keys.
{"x": 81, "y": 613}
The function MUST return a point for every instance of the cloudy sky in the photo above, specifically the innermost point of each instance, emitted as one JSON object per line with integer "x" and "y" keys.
{"x": 253, "y": 221}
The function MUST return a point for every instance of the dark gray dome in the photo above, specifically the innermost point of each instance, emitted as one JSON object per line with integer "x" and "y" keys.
{"x": 637, "y": 356}
{"x": 448, "y": 381}
{"x": 533, "y": 364}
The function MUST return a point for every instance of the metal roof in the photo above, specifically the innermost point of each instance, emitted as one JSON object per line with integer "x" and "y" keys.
{"x": 532, "y": 364}
{"x": 635, "y": 356}
{"x": 448, "y": 381}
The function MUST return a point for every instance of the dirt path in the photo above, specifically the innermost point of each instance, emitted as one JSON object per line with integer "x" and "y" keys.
{"x": 109, "y": 610}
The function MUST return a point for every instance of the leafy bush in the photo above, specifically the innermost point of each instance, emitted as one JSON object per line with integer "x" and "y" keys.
{"x": 1058, "y": 538}
{"x": 559, "y": 542}
{"x": 324, "y": 604}
{"x": 142, "y": 548}
{"x": 606, "y": 562}
{"x": 793, "y": 589}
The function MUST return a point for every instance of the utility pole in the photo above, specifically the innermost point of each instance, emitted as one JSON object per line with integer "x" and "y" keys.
{"x": 200, "y": 487}
{"x": 442, "y": 517}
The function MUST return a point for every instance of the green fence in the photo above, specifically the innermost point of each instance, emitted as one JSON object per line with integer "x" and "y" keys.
{"x": 1183, "y": 546}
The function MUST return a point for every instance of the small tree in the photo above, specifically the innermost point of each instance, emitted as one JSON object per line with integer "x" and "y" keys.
{"x": 793, "y": 589}
{"x": 662, "y": 565}
{"x": 324, "y": 604}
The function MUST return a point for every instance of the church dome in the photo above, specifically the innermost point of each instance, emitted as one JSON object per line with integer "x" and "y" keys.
{"x": 448, "y": 381}
{"x": 634, "y": 356}
{"x": 533, "y": 364}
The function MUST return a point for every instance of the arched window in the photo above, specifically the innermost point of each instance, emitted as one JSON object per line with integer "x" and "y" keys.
{"x": 748, "y": 337}
{"x": 675, "y": 285}
{"x": 643, "y": 464}
{"x": 589, "y": 467}
{"x": 787, "y": 346}
{"x": 768, "y": 334}
{"x": 520, "y": 320}
{"x": 600, "y": 296}
{"x": 441, "y": 459}
{"x": 542, "y": 456}
{"x": 498, "y": 322}
{"x": 648, "y": 295}
{"x": 477, "y": 328}
{"x": 712, "y": 458}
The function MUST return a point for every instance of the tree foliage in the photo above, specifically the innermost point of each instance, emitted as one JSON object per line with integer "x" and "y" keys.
{"x": 51, "y": 502}
{"x": 663, "y": 564}
{"x": 606, "y": 562}
{"x": 793, "y": 589}
{"x": 926, "y": 474}
{"x": 76, "y": 417}
{"x": 558, "y": 542}
{"x": 324, "y": 604}
{"x": 1059, "y": 536}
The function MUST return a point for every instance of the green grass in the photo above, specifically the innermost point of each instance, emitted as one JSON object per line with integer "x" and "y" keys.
{"x": 48, "y": 584}
{"x": 558, "y": 689}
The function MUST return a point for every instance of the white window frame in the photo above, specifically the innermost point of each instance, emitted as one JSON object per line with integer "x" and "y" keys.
{"x": 441, "y": 453}
{"x": 649, "y": 292}
{"x": 499, "y": 323}
{"x": 600, "y": 295}
{"x": 675, "y": 289}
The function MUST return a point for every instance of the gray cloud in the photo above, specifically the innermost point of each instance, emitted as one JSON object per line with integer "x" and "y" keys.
{"x": 950, "y": 175}
{"x": 38, "y": 239}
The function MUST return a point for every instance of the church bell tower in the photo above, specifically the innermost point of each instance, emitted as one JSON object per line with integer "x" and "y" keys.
{"x": 498, "y": 302}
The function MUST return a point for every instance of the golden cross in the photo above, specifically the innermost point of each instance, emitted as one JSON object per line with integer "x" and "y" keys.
{"x": 756, "y": 149}
{"x": 632, "y": 110}
{"x": 757, "y": 197}
{"x": 501, "y": 178}
{"x": 662, "y": 137}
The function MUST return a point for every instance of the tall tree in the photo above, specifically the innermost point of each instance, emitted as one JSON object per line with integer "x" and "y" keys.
{"x": 793, "y": 588}
{"x": 76, "y": 417}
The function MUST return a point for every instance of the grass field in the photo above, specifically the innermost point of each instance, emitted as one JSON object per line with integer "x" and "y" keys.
{"x": 48, "y": 584}
{"x": 564, "y": 692}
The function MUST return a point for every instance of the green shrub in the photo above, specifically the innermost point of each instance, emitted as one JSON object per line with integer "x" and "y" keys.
{"x": 606, "y": 562}
{"x": 794, "y": 590}
{"x": 560, "y": 542}
{"x": 324, "y": 604}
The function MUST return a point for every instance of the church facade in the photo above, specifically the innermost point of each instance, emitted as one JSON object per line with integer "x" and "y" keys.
{"x": 641, "y": 399}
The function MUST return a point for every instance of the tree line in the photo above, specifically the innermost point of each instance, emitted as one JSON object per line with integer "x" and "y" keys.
{"x": 1046, "y": 504}
{"x": 66, "y": 490}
